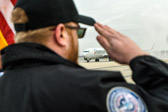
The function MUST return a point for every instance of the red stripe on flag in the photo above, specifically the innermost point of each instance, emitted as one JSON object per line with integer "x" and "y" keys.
{"x": 6, "y": 31}
{"x": 13, "y": 2}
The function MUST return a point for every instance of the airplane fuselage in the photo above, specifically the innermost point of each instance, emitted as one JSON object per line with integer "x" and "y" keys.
{"x": 94, "y": 53}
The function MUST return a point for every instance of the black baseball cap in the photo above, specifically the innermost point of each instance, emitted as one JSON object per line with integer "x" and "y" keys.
{"x": 44, "y": 13}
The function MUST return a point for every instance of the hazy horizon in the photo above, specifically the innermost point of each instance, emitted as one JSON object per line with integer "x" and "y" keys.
{"x": 144, "y": 21}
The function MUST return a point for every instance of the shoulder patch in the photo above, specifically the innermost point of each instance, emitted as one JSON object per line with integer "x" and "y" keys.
{"x": 121, "y": 99}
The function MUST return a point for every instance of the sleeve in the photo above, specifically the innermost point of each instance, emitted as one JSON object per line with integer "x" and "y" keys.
{"x": 151, "y": 74}
{"x": 149, "y": 94}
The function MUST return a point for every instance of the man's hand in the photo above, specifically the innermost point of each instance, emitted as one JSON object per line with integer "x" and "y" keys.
{"x": 119, "y": 47}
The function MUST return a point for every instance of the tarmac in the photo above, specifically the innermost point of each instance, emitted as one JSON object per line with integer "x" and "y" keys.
{"x": 104, "y": 64}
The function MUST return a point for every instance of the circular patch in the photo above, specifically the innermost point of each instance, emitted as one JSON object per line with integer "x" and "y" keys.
{"x": 121, "y": 99}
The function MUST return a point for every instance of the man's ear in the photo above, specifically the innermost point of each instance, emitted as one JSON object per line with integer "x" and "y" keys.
{"x": 59, "y": 35}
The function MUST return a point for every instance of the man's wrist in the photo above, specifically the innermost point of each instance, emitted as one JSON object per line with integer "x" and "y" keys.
{"x": 138, "y": 55}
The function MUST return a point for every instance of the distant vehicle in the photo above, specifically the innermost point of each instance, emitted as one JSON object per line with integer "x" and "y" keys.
{"x": 95, "y": 53}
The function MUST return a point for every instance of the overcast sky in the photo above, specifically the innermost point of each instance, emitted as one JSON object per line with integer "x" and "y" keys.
{"x": 145, "y": 21}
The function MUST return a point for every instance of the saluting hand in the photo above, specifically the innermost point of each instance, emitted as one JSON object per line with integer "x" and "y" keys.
{"x": 119, "y": 47}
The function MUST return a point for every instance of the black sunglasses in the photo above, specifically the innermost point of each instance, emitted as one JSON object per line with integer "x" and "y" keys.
{"x": 80, "y": 31}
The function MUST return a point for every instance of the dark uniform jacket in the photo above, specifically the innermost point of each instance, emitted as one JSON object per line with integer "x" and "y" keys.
{"x": 36, "y": 79}
{"x": 1, "y": 72}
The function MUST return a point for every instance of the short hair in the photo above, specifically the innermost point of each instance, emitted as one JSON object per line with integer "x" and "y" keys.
{"x": 36, "y": 36}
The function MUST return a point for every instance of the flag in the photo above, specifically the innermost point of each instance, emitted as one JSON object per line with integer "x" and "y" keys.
{"x": 7, "y": 31}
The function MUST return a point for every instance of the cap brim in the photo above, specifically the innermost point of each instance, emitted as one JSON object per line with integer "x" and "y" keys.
{"x": 86, "y": 20}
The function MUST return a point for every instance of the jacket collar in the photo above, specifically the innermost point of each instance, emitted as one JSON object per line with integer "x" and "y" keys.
{"x": 31, "y": 53}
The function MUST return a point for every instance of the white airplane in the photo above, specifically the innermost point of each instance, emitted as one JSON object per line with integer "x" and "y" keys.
{"x": 95, "y": 53}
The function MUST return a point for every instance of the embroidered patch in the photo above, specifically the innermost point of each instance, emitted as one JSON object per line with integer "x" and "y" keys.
{"x": 122, "y": 99}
